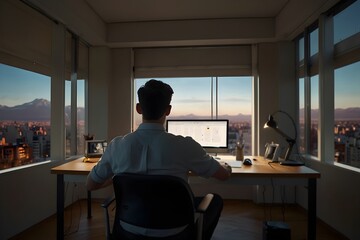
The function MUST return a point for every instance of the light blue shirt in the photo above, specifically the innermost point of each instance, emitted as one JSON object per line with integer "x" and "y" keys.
{"x": 151, "y": 150}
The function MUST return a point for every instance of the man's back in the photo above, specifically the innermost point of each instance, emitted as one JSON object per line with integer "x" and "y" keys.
{"x": 152, "y": 150}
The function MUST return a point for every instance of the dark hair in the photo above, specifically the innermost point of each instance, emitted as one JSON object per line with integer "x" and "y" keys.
{"x": 154, "y": 98}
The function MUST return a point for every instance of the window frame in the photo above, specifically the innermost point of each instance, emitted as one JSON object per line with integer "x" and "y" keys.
{"x": 330, "y": 57}
{"x": 214, "y": 103}
{"x": 56, "y": 70}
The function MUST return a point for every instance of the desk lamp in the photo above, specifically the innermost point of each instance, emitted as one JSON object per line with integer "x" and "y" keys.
{"x": 271, "y": 123}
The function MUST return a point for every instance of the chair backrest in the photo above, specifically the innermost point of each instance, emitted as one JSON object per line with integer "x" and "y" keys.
{"x": 153, "y": 201}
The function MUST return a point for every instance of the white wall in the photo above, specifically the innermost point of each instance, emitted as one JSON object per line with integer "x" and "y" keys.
{"x": 28, "y": 196}
{"x": 120, "y": 92}
{"x": 338, "y": 197}
{"x": 97, "y": 91}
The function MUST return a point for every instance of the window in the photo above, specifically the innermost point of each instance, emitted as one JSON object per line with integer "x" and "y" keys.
{"x": 76, "y": 74}
{"x": 308, "y": 87}
{"x": 26, "y": 69}
{"x": 314, "y": 42}
{"x": 347, "y": 22}
{"x": 211, "y": 97}
{"x": 301, "y": 141}
{"x": 80, "y": 123}
{"x": 314, "y": 116}
{"x": 336, "y": 84}
{"x": 24, "y": 117}
{"x": 347, "y": 115}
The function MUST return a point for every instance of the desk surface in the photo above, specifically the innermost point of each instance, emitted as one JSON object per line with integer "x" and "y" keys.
{"x": 260, "y": 168}
{"x": 75, "y": 167}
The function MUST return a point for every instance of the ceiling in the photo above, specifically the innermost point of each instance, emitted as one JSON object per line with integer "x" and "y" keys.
{"x": 159, "y": 23}
{"x": 115, "y": 11}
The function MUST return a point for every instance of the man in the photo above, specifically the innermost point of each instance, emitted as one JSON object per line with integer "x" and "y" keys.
{"x": 151, "y": 150}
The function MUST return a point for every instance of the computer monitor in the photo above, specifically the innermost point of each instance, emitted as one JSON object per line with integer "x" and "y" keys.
{"x": 212, "y": 135}
{"x": 95, "y": 148}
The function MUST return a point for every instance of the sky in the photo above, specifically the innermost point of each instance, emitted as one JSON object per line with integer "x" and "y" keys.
{"x": 24, "y": 86}
{"x": 193, "y": 95}
{"x": 20, "y": 86}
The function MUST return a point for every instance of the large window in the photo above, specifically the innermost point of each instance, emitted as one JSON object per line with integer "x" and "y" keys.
{"x": 330, "y": 94}
{"x": 301, "y": 141}
{"x": 347, "y": 22}
{"x": 314, "y": 115}
{"x": 308, "y": 79}
{"x": 212, "y": 97}
{"x": 30, "y": 75}
{"x": 76, "y": 75}
{"x": 347, "y": 115}
{"x": 24, "y": 117}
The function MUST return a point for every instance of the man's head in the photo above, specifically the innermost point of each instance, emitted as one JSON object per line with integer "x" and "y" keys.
{"x": 154, "y": 99}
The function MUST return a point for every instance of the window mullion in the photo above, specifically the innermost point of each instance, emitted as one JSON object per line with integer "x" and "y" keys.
{"x": 74, "y": 65}
{"x": 326, "y": 88}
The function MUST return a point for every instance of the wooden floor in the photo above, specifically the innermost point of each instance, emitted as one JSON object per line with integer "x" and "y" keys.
{"x": 241, "y": 219}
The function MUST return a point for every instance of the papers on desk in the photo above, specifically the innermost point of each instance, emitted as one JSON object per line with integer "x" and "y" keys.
{"x": 231, "y": 163}
{"x": 230, "y": 160}
{"x": 234, "y": 164}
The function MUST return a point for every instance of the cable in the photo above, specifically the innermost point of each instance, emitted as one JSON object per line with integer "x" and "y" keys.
{"x": 273, "y": 197}
{"x": 283, "y": 196}
{"x": 74, "y": 200}
{"x": 264, "y": 203}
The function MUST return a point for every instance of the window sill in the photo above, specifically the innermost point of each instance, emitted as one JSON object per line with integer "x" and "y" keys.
{"x": 355, "y": 169}
{"x": 25, "y": 166}
{"x": 309, "y": 161}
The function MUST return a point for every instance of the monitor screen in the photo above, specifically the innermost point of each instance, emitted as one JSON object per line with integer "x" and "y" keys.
{"x": 95, "y": 148}
{"x": 212, "y": 135}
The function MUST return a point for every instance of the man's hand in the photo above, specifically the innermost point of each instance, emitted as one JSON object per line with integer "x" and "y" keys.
{"x": 227, "y": 167}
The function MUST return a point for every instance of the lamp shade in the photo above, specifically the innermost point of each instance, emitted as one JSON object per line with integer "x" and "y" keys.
{"x": 270, "y": 123}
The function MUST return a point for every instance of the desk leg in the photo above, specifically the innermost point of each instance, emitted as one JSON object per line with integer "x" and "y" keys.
{"x": 89, "y": 204}
{"x": 60, "y": 207}
{"x": 312, "y": 209}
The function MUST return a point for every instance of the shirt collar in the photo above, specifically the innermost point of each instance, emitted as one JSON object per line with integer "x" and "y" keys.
{"x": 151, "y": 126}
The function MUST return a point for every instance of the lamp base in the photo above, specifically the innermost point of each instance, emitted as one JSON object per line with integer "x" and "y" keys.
{"x": 291, "y": 163}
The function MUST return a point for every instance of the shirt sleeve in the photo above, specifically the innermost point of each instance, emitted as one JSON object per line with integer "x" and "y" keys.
{"x": 200, "y": 162}
{"x": 102, "y": 171}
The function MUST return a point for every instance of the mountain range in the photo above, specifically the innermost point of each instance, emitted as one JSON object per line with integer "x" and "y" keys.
{"x": 36, "y": 110}
{"x": 39, "y": 110}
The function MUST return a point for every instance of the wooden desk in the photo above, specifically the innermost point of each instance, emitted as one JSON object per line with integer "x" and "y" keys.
{"x": 74, "y": 167}
{"x": 260, "y": 173}
{"x": 264, "y": 172}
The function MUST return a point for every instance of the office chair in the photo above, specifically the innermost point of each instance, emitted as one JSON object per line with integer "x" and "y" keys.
{"x": 156, "y": 202}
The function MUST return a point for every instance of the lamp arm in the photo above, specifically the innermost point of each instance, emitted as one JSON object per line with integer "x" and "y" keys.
{"x": 291, "y": 141}
{"x": 293, "y": 123}
{"x": 288, "y": 139}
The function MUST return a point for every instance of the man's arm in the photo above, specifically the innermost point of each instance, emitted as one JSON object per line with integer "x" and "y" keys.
{"x": 223, "y": 172}
{"x": 92, "y": 185}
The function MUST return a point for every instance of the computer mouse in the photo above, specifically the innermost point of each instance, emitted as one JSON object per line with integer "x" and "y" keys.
{"x": 247, "y": 162}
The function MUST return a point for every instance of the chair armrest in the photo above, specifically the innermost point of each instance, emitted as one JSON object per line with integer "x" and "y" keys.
{"x": 204, "y": 204}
